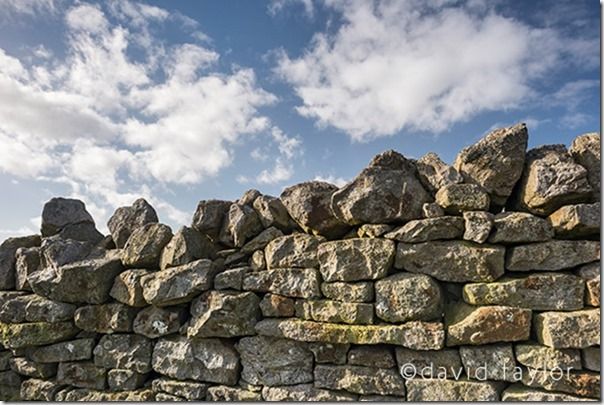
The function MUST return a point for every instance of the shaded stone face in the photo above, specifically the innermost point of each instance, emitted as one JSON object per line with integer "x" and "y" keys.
{"x": 8, "y": 250}
{"x": 576, "y": 221}
{"x": 578, "y": 329}
{"x": 126, "y": 220}
{"x": 144, "y": 246}
{"x": 61, "y": 212}
{"x": 125, "y": 351}
{"x": 520, "y": 227}
{"x": 436, "y": 174}
{"x": 82, "y": 374}
{"x": 585, "y": 150}
{"x": 107, "y": 318}
{"x": 186, "y": 245}
{"x": 209, "y": 216}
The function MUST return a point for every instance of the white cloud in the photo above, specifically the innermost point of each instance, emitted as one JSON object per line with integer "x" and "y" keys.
{"x": 337, "y": 181}
{"x": 280, "y": 172}
{"x": 421, "y": 66}
{"x": 277, "y": 6}
{"x": 10, "y": 8}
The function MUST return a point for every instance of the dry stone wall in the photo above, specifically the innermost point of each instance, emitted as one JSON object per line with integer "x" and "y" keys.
{"x": 415, "y": 281}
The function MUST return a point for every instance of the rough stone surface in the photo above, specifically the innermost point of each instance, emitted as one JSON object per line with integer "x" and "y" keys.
{"x": 297, "y": 250}
{"x": 190, "y": 390}
{"x": 61, "y": 212}
{"x": 407, "y": 297}
{"x": 261, "y": 240}
{"x": 422, "y": 230}
{"x": 520, "y": 392}
{"x": 335, "y": 311}
{"x": 585, "y": 150}
{"x": 304, "y": 393}
{"x": 361, "y": 291}
{"x": 576, "y": 221}
{"x": 19, "y": 335}
{"x": 186, "y": 245}
{"x": 154, "y": 322}
{"x": 272, "y": 212}
{"x": 419, "y": 389}
{"x": 32, "y": 369}
{"x": 126, "y": 351}
{"x": 373, "y": 230}
{"x": 540, "y": 357}
{"x": 35, "y": 389}
{"x": 578, "y": 329}
{"x": 360, "y": 380}
{"x": 436, "y": 174}
{"x": 145, "y": 244}
{"x": 428, "y": 363}
{"x": 552, "y": 255}
{"x": 124, "y": 380}
{"x": 520, "y": 227}
{"x": 209, "y": 216}
{"x": 274, "y": 305}
{"x": 27, "y": 261}
{"x": 127, "y": 219}
{"x": 492, "y": 362}
{"x": 71, "y": 350}
{"x": 581, "y": 383}
{"x": 371, "y": 356}
{"x": 106, "y": 318}
{"x": 478, "y": 225}
{"x": 8, "y": 249}
{"x": 82, "y": 374}
{"x": 330, "y": 353}
{"x": 591, "y": 274}
{"x": 457, "y": 198}
{"x": 88, "y": 395}
{"x": 225, "y": 393}
{"x": 241, "y": 224}
{"x": 127, "y": 287}
{"x": 432, "y": 210}
{"x": 299, "y": 283}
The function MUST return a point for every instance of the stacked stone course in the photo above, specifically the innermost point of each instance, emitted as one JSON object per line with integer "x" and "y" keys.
{"x": 416, "y": 281}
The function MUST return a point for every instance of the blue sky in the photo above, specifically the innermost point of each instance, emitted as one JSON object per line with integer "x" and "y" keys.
{"x": 179, "y": 101}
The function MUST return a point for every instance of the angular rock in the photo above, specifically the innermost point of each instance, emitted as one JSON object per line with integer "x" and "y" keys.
{"x": 127, "y": 219}
{"x": 27, "y": 261}
{"x": 414, "y": 335}
{"x": 186, "y": 245}
{"x": 591, "y": 274}
{"x": 520, "y": 227}
{"x": 154, "y": 322}
{"x": 107, "y": 318}
{"x": 13, "y": 308}
{"x": 432, "y": 210}
{"x": 543, "y": 292}
{"x": 436, "y": 174}
{"x": 453, "y": 261}
{"x": 83, "y": 231}
{"x": 145, "y": 244}
{"x": 361, "y": 291}
{"x": 381, "y": 398}
{"x": 225, "y": 393}
{"x": 585, "y": 150}
{"x": 332, "y": 353}
{"x": 273, "y": 305}
{"x": 591, "y": 358}
{"x": 33, "y": 308}
{"x": 489, "y": 362}
{"x": 231, "y": 279}
{"x": 387, "y": 191}
{"x": 36, "y": 389}
{"x": 520, "y": 392}
{"x": 304, "y": 393}
{"x": 578, "y": 329}
{"x": 272, "y": 212}
{"x": 371, "y": 356}
{"x": 373, "y": 230}
{"x": 258, "y": 262}
{"x": 339, "y": 260}
{"x": 32, "y": 369}
{"x": 60, "y": 212}
{"x": 296, "y": 250}
{"x": 581, "y": 383}
{"x": 420, "y": 389}
{"x": 422, "y": 230}
{"x": 8, "y": 249}
{"x": 126, "y": 351}
{"x": 576, "y": 221}
{"x": 467, "y": 325}
{"x": 124, "y": 380}
{"x": 16, "y": 336}
{"x": 273, "y": 361}
{"x": 241, "y": 224}
{"x": 73, "y": 350}
{"x": 82, "y": 374}
{"x": 87, "y": 395}
{"x": 5, "y": 356}
{"x": 552, "y": 255}
{"x": 179, "y": 284}
{"x": 209, "y": 216}
{"x": 208, "y": 360}
{"x": 335, "y": 311}
{"x": 478, "y": 225}
{"x": 535, "y": 356}
{"x": 360, "y": 380}
{"x": 127, "y": 287}
{"x": 428, "y": 363}
{"x": 190, "y": 390}
{"x": 457, "y": 198}
{"x": 299, "y": 283}
{"x": 408, "y": 297}
{"x": 56, "y": 252}
{"x": 260, "y": 241}
{"x": 249, "y": 196}
{"x": 163, "y": 397}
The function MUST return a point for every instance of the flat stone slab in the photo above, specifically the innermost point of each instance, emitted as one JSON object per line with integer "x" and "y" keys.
{"x": 578, "y": 329}
{"x": 335, "y": 311}
{"x": 298, "y": 283}
{"x": 360, "y": 380}
{"x": 520, "y": 392}
{"x": 420, "y": 389}
{"x": 541, "y": 357}
{"x": 552, "y": 255}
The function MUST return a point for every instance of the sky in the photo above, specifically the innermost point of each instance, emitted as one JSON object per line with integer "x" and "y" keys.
{"x": 179, "y": 101}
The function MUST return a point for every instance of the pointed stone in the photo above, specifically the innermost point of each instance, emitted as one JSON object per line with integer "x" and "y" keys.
{"x": 61, "y": 212}
{"x": 209, "y": 216}
{"x": 145, "y": 244}
{"x": 272, "y": 212}
{"x": 436, "y": 174}
{"x": 126, "y": 220}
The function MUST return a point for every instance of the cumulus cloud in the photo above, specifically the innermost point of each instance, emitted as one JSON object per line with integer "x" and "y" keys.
{"x": 422, "y": 66}
{"x": 337, "y": 181}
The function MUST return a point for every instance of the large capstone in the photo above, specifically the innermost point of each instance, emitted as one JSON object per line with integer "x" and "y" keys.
{"x": 59, "y": 213}
{"x": 145, "y": 244}
{"x": 127, "y": 219}
{"x": 209, "y": 216}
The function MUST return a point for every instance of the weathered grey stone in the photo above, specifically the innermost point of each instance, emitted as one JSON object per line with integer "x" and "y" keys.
{"x": 581, "y": 383}
{"x": 145, "y": 244}
{"x": 126, "y": 351}
{"x": 27, "y": 260}
{"x": 386, "y": 191}
{"x": 422, "y": 230}
{"x": 231, "y": 279}
{"x": 335, "y": 311}
{"x": 361, "y": 291}
{"x": 273, "y": 361}
{"x": 8, "y": 249}
{"x": 478, "y": 225}
{"x": 82, "y": 374}
{"x": 124, "y": 380}
{"x": 224, "y": 314}
{"x": 163, "y": 397}
{"x": 225, "y": 393}
{"x": 32, "y": 369}
{"x": 299, "y": 283}
{"x": 249, "y": 196}
{"x": 241, "y": 224}
{"x": 550, "y": 180}
{"x": 454, "y": 261}
{"x": 303, "y": 393}
{"x": 297, "y": 250}
{"x": 13, "y": 308}
{"x": 127, "y": 287}
{"x": 436, "y": 174}
{"x": 16, "y": 336}
{"x": 60, "y": 212}
{"x": 186, "y": 245}
{"x": 468, "y": 325}
{"x": 257, "y": 261}
{"x": 414, "y": 335}
{"x": 10, "y": 378}
{"x": 489, "y": 362}
{"x": 190, "y": 390}
{"x": 520, "y": 227}
{"x": 237, "y": 259}
{"x": 126, "y": 219}
{"x": 179, "y": 284}
{"x": 10, "y": 392}
{"x": 540, "y": 357}
{"x": 208, "y": 360}
{"x": 591, "y": 358}
{"x": 432, "y": 210}
{"x": 36, "y": 389}
{"x": 591, "y": 274}
{"x": 360, "y": 380}
{"x": 5, "y": 355}
{"x": 273, "y": 305}
{"x": 56, "y": 252}
{"x": 33, "y": 308}
{"x": 420, "y": 389}
{"x": 545, "y": 292}
{"x": 457, "y": 198}
{"x": 272, "y": 212}
{"x": 578, "y": 329}
{"x": 209, "y": 216}
{"x": 408, "y": 297}
{"x": 496, "y": 161}
{"x": 87, "y": 395}
{"x": 576, "y": 221}
{"x": 372, "y": 356}
{"x": 585, "y": 150}
{"x": 552, "y": 255}
{"x": 82, "y": 231}
{"x": 381, "y": 398}
{"x": 332, "y": 353}
{"x": 154, "y": 322}
{"x": 520, "y": 392}
{"x": 73, "y": 350}
{"x": 106, "y": 318}
{"x": 444, "y": 363}
{"x": 373, "y": 230}
{"x": 260, "y": 241}
{"x": 339, "y": 260}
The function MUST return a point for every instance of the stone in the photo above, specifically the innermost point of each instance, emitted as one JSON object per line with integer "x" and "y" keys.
{"x": 126, "y": 351}
{"x": 86, "y": 282}
{"x": 436, "y": 174}
{"x": 209, "y": 216}
{"x": 10, "y": 392}
{"x": 591, "y": 274}
{"x": 408, "y": 297}
{"x": 248, "y": 197}
{"x": 381, "y": 398}
{"x": 225, "y": 393}
{"x": 5, "y": 356}
{"x": 186, "y": 245}
{"x": 32, "y": 369}
{"x": 87, "y": 395}
{"x": 126, "y": 220}
{"x": 8, "y": 249}
{"x": 33, "y": 308}
{"x": 432, "y": 210}
{"x": 422, "y": 230}
{"x": 13, "y": 308}
{"x": 331, "y": 353}
{"x": 520, "y": 227}
{"x": 414, "y": 335}
{"x": 580, "y": 383}
{"x": 298, "y": 283}
{"x": 224, "y": 314}
{"x": 62, "y": 352}
{"x": 60, "y": 212}
{"x": 576, "y": 221}
{"x": 373, "y": 230}
{"x": 428, "y": 363}
{"x": 154, "y": 322}
{"x": 144, "y": 246}
{"x": 241, "y": 224}
{"x": 56, "y": 252}
{"x": 82, "y": 374}
{"x": 335, "y": 311}
{"x": 519, "y": 392}
{"x": 304, "y": 393}
{"x": 540, "y": 357}
{"x": 372, "y": 356}
{"x": 231, "y": 279}
{"x": 125, "y": 380}
{"x": 27, "y": 261}
{"x": 387, "y": 191}
{"x": 360, "y": 380}
{"x": 210, "y": 360}
{"x": 496, "y": 161}
{"x": 163, "y": 397}
{"x": 457, "y": 198}
{"x": 10, "y": 378}
{"x": 591, "y": 358}
{"x": 452, "y": 261}
{"x": 273, "y": 361}
{"x": 35, "y": 389}
{"x": 272, "y": 212}
{"x": 467, "y": 325}
{"x": 544, "y": 292}
{"x": 106, "y": 318}
{"x": 191, "y": 390}
{"x": 296, "y": 250}
{"x": 16, "y": 336}
{"x": 489, "y": 362}
{"x": 274, "y": 305}
{"x": 83, "y": 231}
{"x": 361, "y": 291}
{"x": 261, "y": 240}
{"x": 585, "y": 150}
{"x": 180, "y": 284}
{"x": 478, "y": 225}
{"x": 258, "y": 262}
{"x": 550, "y": 180}
{"x": 420, "y": 389}
{"x": 339, "y": 260}
{"x": 236, "y": 259}
{"x": 552, "y": 255}
{"x": 127, "y": 287}
{"x": 560, "y": 330}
